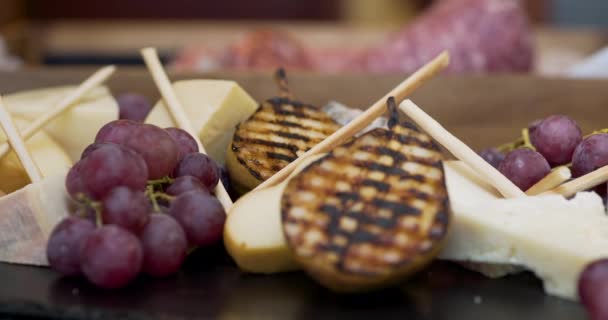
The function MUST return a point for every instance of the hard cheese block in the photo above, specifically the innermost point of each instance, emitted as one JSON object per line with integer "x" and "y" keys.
{"x": 214, "y": 108}
{"x": 48, "y": 155}
{"x": 551, "y": 236}
{"x": 27, "y": 217}
{"x": 76, "y": 128}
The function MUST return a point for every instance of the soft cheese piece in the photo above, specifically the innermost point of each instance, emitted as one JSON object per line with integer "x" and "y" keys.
{"x": 77, "y": 127}
{"x": 214, "y": 107}
{"x": 253, "y": 235}
{"x": 551, "y": 236}
{"x": 48, "y": 155}
{"x": 27, "y": 217}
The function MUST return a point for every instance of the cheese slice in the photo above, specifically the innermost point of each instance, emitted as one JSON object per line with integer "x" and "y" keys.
{"x": 76, "y": 128}
{"x": 48, "y": 155}
{"x": 214, "y": 108}
{"x": 253, "y": 235}
{"x": 27, "y": 217}
{"x": 551, "y": 236}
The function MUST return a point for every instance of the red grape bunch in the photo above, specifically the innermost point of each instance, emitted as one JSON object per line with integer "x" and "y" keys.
{"x": 550, "y": 142}
{"x": 147, "y": 198}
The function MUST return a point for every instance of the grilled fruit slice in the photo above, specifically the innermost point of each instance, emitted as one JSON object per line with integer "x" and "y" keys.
{"x": 370, "y": 212}
{"x": 278, "y": 132}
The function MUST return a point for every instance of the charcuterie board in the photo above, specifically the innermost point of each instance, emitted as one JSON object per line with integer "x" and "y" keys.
{"x": 482, "y": 111}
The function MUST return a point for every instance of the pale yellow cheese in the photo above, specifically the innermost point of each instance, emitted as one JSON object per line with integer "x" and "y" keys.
{"x": 47, "y": 154}
{"x": 27, "y": 217}
{"x": 253, "y": 235}
{"x": 551, "y": 236}
{"x": 214, "y": 108}
{"x": 76, "y": 128}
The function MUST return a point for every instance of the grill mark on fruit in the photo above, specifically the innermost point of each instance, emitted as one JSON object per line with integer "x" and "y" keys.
{"x": 379, "y": 185}
{"x": 279, "y": 145}
{"x": 396, "y": 207}
{"x": 277, "y": 133}
{"x": 290, "y": 135}
{"x": 279, "y": 156}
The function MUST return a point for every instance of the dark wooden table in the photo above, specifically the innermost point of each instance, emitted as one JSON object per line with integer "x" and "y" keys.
{"x": 482, "y": 111}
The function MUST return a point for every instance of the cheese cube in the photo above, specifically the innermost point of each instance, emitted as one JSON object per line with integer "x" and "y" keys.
{"x": 77, "y": 127}
{"x": 214, "y": 108}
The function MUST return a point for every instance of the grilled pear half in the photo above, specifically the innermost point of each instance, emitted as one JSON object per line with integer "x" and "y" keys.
{"x": 278, "y": 132}
{"x": 370, "y": 212}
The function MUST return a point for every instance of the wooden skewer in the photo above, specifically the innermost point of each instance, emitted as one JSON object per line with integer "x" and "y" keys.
{"x": 550, "y": 181}
{"x": 585, "y": 182}
{"x": 63, "y": 105}
{"x": 460, "y": 150}
{"x": 400, "y": 92}
{"x": 176, "y": 110}
{"x": 15, "y": 140}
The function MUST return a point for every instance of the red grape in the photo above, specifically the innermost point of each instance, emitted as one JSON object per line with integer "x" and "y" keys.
{"x": 165, "y": 245}
{"x": 111, "y": 257}
{"x": 492, "y": 156}
{"x": 184, "y": 140}
{"x": 201, "y": 215}
{"x": 133, "y": 106}
{"x": 73, "y": 181}
{"x": 593, "y": 289}
{"x": 555, "y": 138}
{"x": 184, "y": 184}
{"x": 92, "y": 147}
{"x": 590, "y": 154}
{"x": 110, "y": 166}
{"x": 524, "y": 167}
{"x": 156, "y": 147}
{"x": 63, "y": 247}
{"x": 116, "y": 131}
{"x": 126, "y": 208}
{"x": 201, "y": 167}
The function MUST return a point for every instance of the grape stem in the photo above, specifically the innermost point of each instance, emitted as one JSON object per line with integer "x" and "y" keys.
{"x": 160, "y": 181}
{"x": 85, "y": 203}
{"x": 151, "y": 195}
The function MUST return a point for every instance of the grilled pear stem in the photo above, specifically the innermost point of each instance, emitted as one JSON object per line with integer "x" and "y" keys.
{"x": 280, "y": 77}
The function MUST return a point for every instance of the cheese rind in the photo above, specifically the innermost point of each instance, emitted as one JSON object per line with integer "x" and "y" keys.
{"x": 27, "y": 217}
{"x": 551, "y": 236}
{"x": 214, "y": 108}
{"x": 76, "y": 128}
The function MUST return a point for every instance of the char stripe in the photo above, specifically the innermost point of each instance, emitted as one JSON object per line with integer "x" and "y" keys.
{"x": 367, "y": 219}
{"x": 402, "y": 174}
{"x": 379, "y": 185}
{"x": 279, "y": 156}
{"x": 267, "y": 143}
{"x": 396, "y": 207}
{"x": 290, "y": 135}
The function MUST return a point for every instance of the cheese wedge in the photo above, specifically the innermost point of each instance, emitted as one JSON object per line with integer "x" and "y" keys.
{"x": 47, "y": 154}
{"x": 75, "y": 129}
{"x": 27, "y": 217}
{"x": 551, "y": 236}
{"x": 214, "y": 107}
{"x": 253, "y": 235}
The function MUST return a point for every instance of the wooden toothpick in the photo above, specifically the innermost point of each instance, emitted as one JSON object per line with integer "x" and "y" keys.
{"x": 176, "y": 110}
{"x": 400, "y": 92}
{"x": 550, "y": 181}
{"x": 460, "y": 150}
{"x": 582, "y": 183}
{"x": 63, "y": 105}
{"x": 17, "y": 143}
